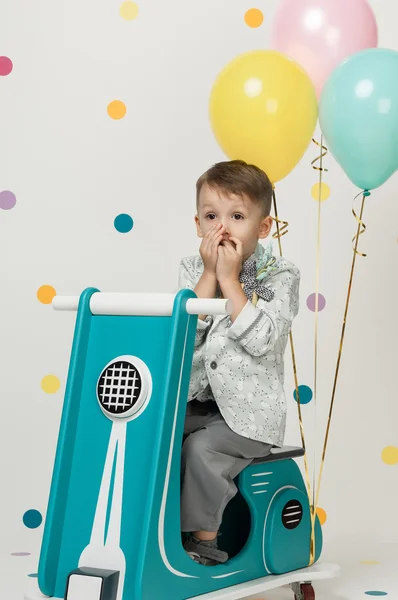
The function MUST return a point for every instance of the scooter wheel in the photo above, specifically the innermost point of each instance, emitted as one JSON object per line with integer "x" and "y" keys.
{"x": 307, "y": 592}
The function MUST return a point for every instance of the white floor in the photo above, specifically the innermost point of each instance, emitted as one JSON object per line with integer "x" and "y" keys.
{"x": 366, "y": 567}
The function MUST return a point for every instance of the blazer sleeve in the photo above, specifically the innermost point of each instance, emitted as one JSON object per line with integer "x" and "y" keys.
{"x": 257, "y": 328}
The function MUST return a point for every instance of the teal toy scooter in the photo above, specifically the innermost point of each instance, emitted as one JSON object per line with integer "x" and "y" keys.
{"x": 112, "y": 529}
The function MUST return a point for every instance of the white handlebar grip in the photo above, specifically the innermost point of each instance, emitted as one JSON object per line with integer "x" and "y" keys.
{"x": 143, "y": 304}
{"x": 209, "y": 306}
{"x": 65, "y": 302}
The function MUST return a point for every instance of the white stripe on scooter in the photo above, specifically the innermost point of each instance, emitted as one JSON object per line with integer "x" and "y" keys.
{"x": 161, "y": 536}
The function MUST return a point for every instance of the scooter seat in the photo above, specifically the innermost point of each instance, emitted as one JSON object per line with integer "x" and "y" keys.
{"x": 280, "y": 454}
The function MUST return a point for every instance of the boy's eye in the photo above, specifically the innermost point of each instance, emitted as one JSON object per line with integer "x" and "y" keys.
{"x": 238, "y": 217}
{"x": 211, "y": 216}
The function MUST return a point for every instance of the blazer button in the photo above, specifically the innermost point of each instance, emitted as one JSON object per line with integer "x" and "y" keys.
{"x": 213, "y": 364}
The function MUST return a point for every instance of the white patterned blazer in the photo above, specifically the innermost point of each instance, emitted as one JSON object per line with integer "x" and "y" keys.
{"x": 240, "y": 365}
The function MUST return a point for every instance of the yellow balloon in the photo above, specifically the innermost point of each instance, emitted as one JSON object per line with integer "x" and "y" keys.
{"x": 263, "y": 109}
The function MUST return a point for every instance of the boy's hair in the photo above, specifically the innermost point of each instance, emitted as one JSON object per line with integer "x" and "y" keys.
{"x": 237, "y": 177}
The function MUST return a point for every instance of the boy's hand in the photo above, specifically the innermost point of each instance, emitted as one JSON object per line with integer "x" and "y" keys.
{"x": 209, "y": 246}
{"x": 229, "y": 263}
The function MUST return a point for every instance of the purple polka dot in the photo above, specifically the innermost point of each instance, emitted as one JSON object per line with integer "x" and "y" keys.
{"x": 311, "y": 302}
{"x": 5, "y": 65}
{"x": 20, "y": 553}
{"x": 7, "y": 200}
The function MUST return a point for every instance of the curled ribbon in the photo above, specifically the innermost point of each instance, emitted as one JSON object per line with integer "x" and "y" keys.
{"x": 280, "y": 231}
{"x": 361, "y": 224}
{"x": 320, "y": 157}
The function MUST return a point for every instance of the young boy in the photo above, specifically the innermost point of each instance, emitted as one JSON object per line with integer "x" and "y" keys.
{"x": 236, "y": 404}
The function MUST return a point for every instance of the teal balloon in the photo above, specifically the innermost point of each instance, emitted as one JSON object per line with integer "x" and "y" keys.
{"x": 359, "y": 116}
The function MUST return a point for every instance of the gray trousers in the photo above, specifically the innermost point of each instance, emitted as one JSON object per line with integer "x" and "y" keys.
{"x": 212, "y": 456}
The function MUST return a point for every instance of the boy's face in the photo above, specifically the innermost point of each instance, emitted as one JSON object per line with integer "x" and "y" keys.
{"x": 240, "y": 217}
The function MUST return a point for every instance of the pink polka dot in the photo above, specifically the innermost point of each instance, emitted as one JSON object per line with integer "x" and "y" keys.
{"x": 5, "y": 65}
{"x": 311, "y": 302}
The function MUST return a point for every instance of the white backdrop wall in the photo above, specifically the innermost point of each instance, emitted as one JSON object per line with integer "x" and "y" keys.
{"x": 73, "y": 169}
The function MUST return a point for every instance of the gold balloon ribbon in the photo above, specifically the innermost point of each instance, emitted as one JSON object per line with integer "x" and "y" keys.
{"x": 361, "y": 224}
{"x": 320, "y": 157}
{"x": 281, "y": 226}
{"x": 360, "y": 230}
{"x": 279, "y": 233}
{"x": 283, "y": 230}
{"x": 321, "y": 169}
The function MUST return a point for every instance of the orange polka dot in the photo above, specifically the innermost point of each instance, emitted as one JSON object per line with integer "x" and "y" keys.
{"x": 322, "y": 516}
{"x": 117, "y": 109}
{"x": 254, "y": 17}
{"x": 45, "y": 294}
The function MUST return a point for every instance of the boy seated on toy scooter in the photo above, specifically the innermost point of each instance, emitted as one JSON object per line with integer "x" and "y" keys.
{"x": 236, "y": 403}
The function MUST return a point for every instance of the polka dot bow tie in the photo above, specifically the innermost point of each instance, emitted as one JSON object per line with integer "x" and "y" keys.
{"x": 252, "y": 285}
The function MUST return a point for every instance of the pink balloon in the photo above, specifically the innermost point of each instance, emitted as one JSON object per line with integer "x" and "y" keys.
{"x": 320, "y": 34}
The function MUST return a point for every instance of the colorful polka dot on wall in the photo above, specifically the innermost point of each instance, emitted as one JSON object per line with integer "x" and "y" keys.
{"x": 322, "y": 516}
{"x": 254, "y": 17}
{"x": 305, "y": 394}
{"x": 32, "y": 519}
{"x": 5, "y": 65}
{"x": 390, "y": 455}
{"x": 20, "y": 553}
{"x": 50, "y": 384}
{"x": 117, "y": 109}
{"x": 376, "y": 594}
{"x": 123, "y": 223}
{"x": 45, "y": 294}
{"x": 324, "y": 189}
{"x": 311, "y": 302}
{"x": 7, "y": 200}
{"x": 129, "y": 11}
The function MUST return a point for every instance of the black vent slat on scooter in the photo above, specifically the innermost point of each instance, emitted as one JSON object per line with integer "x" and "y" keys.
{"x": 292, "y": 514}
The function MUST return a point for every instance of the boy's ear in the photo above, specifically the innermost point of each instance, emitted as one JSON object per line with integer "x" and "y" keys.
{"x": 265, "y": 228}
{"x": 198, "y": 229}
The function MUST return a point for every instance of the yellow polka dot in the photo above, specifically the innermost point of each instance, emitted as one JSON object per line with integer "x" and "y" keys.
{"x": 322, "y": 516}
{"x": 45, "y": 294}
{"x": 390, "y": 455}
{"x": 370, "y": 562}
{"x": 325, "y": 191}
{"x": 50, "y": 384}
{"x": 117, "y": 109}
{"x": 254, "y": 17}
{"x": 129, "y": 11}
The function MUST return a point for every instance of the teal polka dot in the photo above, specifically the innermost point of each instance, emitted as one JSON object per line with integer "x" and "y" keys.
{"x": 33, "y": 575}
{"x": 123, "y": 223}
{"x": 305, "y": 394}
{"x": 376, "y": 593}
{"x": 32, "y": 519}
